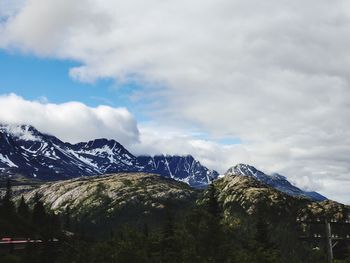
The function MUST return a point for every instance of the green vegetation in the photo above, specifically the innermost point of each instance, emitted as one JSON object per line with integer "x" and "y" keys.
{"x": 24, "y": 222}
{"x": 216, "y": 225}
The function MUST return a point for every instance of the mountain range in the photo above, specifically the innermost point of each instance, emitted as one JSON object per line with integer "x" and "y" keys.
{"x": 27, "y": 152}
{"x": 127, "y": 197}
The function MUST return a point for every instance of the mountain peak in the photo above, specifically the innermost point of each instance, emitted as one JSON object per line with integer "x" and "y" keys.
{"x": 182, "y": 168}
{"x": 100, "y": 143}
{"x": 21, "y": 131}
{"x": 245, "y": 170}
{"x": 274, "y": 180}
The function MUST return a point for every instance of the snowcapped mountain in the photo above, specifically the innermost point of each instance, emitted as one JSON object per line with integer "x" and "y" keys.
{"x": 275, "y": 180}
{"x": 181, "y": 168}
{"x": 26, "y": 151}
{"x": 105, "y": 156}
{"x": 34, "y": 154}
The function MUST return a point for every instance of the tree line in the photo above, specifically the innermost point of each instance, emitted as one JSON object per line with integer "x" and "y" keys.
{"x": 203, "y": 234}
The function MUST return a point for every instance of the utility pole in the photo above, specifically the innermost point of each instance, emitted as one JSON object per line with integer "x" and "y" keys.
{"x": 329, "y": 241}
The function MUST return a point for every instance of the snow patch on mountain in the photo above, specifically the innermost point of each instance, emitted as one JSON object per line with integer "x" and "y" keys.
{"x": 7, "y": 161}
{"x": 44, "y": 156}
{"x": 23, "y": 132}
{"x": 274, "y": 180}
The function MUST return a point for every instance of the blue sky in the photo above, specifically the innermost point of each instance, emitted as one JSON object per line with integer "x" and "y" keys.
{"x": 48, "y": 80}
{"x": 40, "y": 78}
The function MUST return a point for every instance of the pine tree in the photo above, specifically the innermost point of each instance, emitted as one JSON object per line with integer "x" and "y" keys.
{"x": 262, "y": 232}
{"x": 67, "y": 219}
{"x": 145, "y": 230}
{"x": 23, "y": 209}
{"x": 39, "y": 212}
{"x": 8, "y": 207}
{"x": 214, "y": 228}
{"x": 8, "y": 194}
{"x": 213, "y": 204}
{"x": 168, "y": 242}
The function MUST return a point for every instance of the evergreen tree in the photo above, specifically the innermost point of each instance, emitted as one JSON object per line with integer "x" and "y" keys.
{"x": 23, "y": 209}
{"x": 67, "y": 219}
{"x": 145, "y": 230}
{"x": 213, "y": 204}
{"x": 8, "y": 207}
{"x": 214, "y": 234}
{"x": 39, "y": 212}
{"x": 262, "y": 233}
{"x": 168, "y": 237}
{"x": 209, "y": 238}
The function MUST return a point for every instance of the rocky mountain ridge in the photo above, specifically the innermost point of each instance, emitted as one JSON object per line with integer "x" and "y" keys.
{"x": 101, "y": 197}
{"x": 26, "y": 151}
{"x": 277, "y": 181}
{"x": 254, "y": 196}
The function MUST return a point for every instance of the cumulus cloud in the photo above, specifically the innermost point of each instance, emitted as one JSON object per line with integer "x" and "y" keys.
{"x": 71, "y": 121}
{"x": 273, "y": 73}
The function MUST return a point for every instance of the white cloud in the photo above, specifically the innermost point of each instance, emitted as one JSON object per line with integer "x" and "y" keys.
{"x": 71, "y": 121}
{"x": 273, "y": 73}
{"x": 155, "y": 139}
{"x": 9, "y": 8}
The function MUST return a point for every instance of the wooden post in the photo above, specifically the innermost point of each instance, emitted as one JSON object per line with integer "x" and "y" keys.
{"x": 329, "y": 242}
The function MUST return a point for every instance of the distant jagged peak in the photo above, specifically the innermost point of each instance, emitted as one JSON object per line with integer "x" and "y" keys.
{"x": 168, "y": 157}
{"x": 105, "y": 147}
{"x": 24, "y": 132}
{"x": 249, "y": 170}
{"x": 100, "y": 143}
{"x": 161, "y": 155}
{"x": 244, "y": 170}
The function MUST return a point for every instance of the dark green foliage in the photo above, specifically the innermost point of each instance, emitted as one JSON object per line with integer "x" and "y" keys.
{"x": 262, "y": 232}
{"x": 177, "y": 233}
{"x": 7, "y": 205}
{"x": 67, "y": 220}
{"x": 23, "y": 223}
{"x": 39, "y": 213}
{"x": 23, "y": 209}
{"x": 213, "y": 206}
{"x": 168, "y": 240}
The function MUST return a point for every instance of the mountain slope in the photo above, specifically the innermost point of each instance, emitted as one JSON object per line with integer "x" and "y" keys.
{"x": 254, "y": 197}
{"x": 105, "y": 156}
{"x": 276, "y": 181}
{"x": 106, "y": 202}
{"x": 37, "y": 155}
{"x": 26, "y": 151}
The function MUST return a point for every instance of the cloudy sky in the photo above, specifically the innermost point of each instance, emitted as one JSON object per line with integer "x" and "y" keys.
{"x": 228, "y": 81}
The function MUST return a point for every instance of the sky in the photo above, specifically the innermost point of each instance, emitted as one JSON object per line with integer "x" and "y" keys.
{"x": 228, "y": 81}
